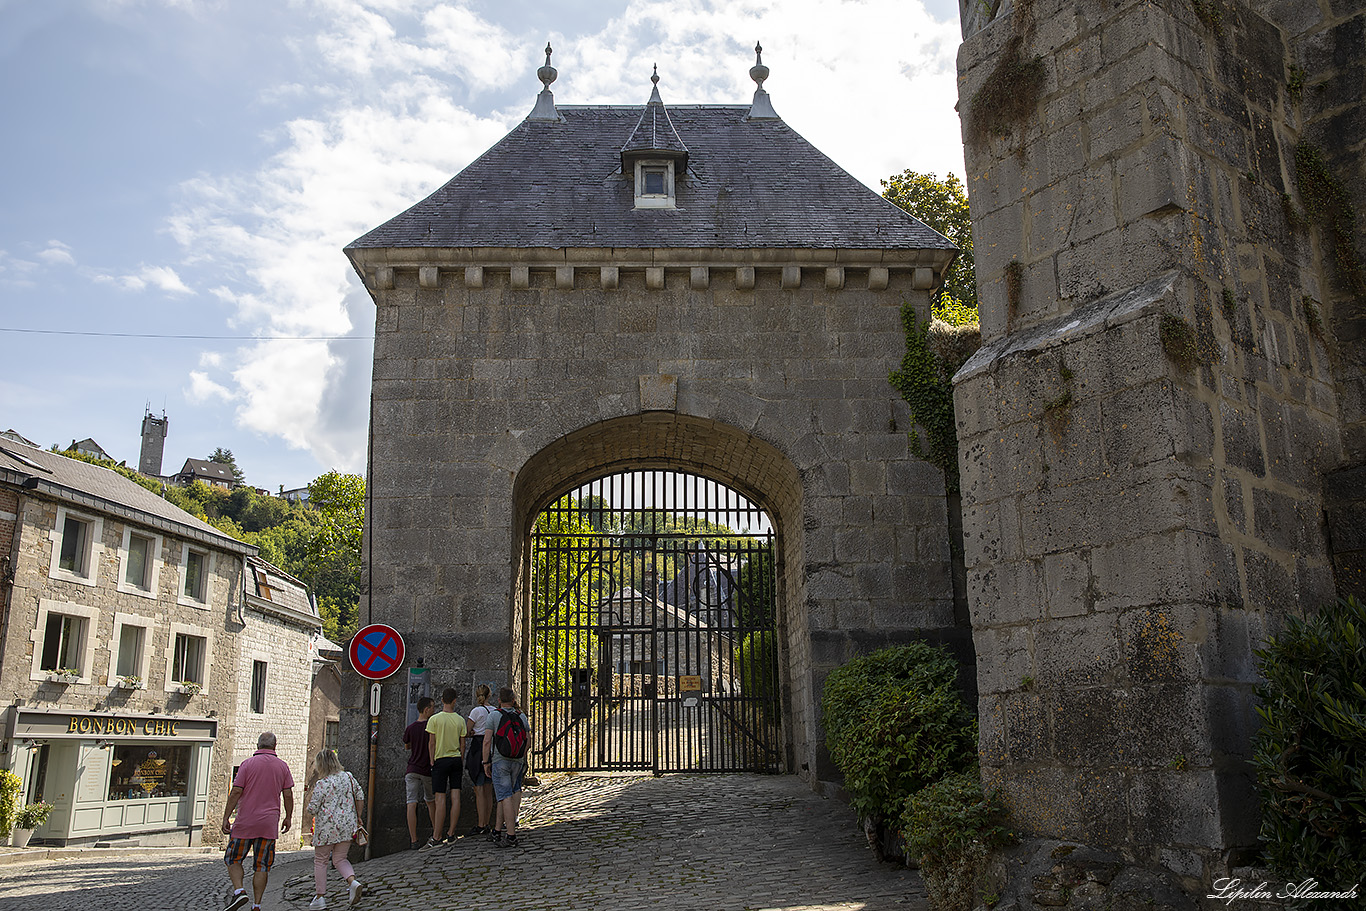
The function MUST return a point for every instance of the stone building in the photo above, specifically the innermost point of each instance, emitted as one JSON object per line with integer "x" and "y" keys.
{"x": 143, "y": 651}
{"x": 1168, "y": 399}
{"x": 684, "y": 287}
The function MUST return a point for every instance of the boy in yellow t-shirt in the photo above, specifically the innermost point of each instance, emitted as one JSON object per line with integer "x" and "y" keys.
{"x": 445, "y": 733}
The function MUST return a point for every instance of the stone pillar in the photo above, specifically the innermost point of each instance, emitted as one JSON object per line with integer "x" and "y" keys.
{"x": 1143, "y": 433}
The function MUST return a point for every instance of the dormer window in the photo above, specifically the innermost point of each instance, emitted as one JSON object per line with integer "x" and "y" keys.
{"x": 654, "y": 184}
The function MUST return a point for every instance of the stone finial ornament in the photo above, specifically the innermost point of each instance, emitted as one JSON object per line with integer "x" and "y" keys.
{"x": 545, "y": 101}
{"x": 758, "y": 72}
{"x": 761, "y": 108}
{"x": 547, "y": 74}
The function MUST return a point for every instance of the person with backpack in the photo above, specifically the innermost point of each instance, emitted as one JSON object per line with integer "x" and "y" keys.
{"x": 474, "y": 749}
{"x": 507, "y": 738}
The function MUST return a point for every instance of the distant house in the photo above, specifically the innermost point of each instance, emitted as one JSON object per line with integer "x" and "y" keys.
{"x": 215, "y": 473}
{"x": 143, "y": 650}
{"x": 15, "y": 436}
{"x": 297, "y": 495}
{"x": 88, "y": 447}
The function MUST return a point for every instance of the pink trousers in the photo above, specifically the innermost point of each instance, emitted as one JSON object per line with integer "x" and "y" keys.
{"x": 337, "y": 854}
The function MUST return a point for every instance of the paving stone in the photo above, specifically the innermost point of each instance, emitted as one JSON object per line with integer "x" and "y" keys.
{"x": 602, "y": 842}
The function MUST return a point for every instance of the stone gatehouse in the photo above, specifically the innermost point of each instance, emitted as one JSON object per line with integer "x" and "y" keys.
{"x": 687, "y": 287}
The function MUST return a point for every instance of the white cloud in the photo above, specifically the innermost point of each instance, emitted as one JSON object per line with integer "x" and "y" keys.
{"x": 203, "y": 390}
{"x": 396, "y": 111}
{"x": 57, "y": 253}
{"x": 160, "y": 278}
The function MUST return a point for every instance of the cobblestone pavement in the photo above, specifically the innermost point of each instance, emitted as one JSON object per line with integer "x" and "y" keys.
{"x": 589, "y": 843}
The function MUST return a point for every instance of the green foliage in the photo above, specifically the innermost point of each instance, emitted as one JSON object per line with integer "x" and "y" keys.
{"x": 926, "y": 383}
{"x": 1178, "y": 340}
{"x": 1310, "y": 753}
{"x": 564, "y": 597}
{"x": 118, "y": 468}
{"x": 1009, "y": 95}
{"x": 332, "y": 557}
{"x": 951, "y": 828}
{"x": 33, "y": 815}
{"x": 894, "y": 723}
{"x": 1228, "y": 304}
{"x": 943, "y": 205}
{"x": 756, "y": 663}
{"x": 10, "y": 785}
{"x": 1327, "y": 202}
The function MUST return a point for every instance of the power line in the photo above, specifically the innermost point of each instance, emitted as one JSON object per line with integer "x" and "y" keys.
{"x": 223, "y": 338}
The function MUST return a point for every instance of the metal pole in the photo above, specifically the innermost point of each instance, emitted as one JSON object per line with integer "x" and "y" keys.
{"x": 374, "y": 756}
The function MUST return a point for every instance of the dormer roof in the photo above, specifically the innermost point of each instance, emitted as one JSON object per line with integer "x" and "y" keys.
{"x": 654, "y": 135}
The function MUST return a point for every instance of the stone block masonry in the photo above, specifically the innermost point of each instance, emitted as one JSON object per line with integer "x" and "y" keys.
{"x": 1144, "y": 434}
{"x": 498, "y": 390}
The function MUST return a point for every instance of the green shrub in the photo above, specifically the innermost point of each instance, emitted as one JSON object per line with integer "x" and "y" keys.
{"x": 10, "y": 785}
{"x": 951, "y": 828}
{"x": 1310, "y": 753}
{"x": 33, "y": 815}
{"x": 756, "y": 663}
{"x": 894, "y": 723}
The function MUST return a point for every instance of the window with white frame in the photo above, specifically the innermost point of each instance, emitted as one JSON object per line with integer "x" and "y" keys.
{"x": 654, "y": 184}
{"x": 140, "y": 559}
{"x": 258, "y": 687}
{"x": 128, "y": 647}
{"x": 63, "y": 640}
{"x": 75, "y": 547}
{"x": 187, "y": 658}
{"x": 195, "y": 565}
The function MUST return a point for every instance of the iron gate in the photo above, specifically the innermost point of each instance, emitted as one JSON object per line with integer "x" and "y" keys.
{"x": 653, "y": 643}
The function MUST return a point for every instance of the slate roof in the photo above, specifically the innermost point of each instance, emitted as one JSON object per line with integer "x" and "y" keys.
{"x": 101, "y": 490}
{"x": 202, "y": 468}
{"x": 749, "y": 184}
{"x": 287, "y": 595}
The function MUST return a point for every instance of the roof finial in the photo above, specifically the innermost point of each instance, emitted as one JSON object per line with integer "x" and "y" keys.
{"x": 545, "y": 102}
{"x": 547, "y": 73}
{"x": 761, "y": 108}
{"x": 758, "y": 72}
{"x": 654, "y": 77}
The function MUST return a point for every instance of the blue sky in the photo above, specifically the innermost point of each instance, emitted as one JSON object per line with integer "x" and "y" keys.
{"x": 192, "y": 168}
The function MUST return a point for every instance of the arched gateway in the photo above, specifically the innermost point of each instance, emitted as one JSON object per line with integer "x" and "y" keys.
{"x": 693, "y": 291}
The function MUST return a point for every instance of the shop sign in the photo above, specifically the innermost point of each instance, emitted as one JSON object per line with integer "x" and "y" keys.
{"x": 146, "y": 727}
{"x": 42, "y": 724}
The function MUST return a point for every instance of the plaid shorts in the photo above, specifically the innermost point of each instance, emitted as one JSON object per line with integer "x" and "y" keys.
{"x": 262, "y": 852}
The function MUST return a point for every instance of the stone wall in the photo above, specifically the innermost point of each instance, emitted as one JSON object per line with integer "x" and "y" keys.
{"x": 1144, "y": 432}
{"x": 105, "y": 604}
{"x": 498, "y": 388}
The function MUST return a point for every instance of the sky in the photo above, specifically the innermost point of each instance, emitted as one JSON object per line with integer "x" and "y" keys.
{"x": 182, "y": 175}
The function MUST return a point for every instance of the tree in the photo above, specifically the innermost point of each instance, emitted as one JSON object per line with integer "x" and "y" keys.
{"x": 332, "y": 561}
{"x": 225, "y": 457}
{"x": 943, "y": 206}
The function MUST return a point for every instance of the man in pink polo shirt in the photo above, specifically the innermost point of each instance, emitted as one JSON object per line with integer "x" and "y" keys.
{"x": 256, "y": 791}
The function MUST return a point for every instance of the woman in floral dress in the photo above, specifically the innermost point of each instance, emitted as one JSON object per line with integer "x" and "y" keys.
{"x": 336, "y": 805}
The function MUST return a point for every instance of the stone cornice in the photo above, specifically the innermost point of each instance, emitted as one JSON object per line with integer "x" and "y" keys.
{"x": 377, "y": 266}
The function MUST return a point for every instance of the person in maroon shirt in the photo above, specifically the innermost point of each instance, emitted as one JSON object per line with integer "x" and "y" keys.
{"x": 417, "y": 779}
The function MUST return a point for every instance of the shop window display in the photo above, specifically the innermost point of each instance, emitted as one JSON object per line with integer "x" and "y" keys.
{"x": 147, "y": 771}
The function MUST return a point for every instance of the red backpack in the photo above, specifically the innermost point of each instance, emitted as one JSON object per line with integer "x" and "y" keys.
{"x": 510, "y": 737}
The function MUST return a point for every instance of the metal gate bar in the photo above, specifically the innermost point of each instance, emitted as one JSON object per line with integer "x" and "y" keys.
{"x": 653, "y": 643}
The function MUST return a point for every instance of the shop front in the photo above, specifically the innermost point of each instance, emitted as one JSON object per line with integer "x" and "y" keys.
{"x": 112, "y": 776}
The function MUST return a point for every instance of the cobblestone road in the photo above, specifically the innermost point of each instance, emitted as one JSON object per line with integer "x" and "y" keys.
{"x": 590, "y": 843}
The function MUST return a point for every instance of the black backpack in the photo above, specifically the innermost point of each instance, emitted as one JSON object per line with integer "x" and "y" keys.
{"x": 510, "y": 737}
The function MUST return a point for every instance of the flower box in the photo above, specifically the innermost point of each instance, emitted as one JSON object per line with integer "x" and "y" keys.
{"x": 189, "y": 689}
{"x": 64, "y": 677}
{"x": 130, "y": 682}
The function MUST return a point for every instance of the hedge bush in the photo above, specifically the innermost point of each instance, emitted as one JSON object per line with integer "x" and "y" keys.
{"x": 952, "y": 828}
{"x": 894, "y": 723}
{"x": 10, "y": 785}
{"x": 1310, "y": 753}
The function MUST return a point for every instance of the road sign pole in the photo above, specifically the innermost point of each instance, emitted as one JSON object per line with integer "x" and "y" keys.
{"x": 374, "y": 758}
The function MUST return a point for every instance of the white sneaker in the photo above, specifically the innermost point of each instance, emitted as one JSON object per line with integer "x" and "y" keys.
{"x": 319, "y": 903}
{"x": 356, "y": 890}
